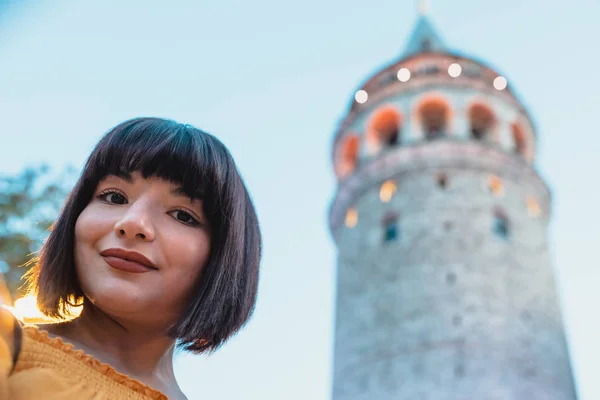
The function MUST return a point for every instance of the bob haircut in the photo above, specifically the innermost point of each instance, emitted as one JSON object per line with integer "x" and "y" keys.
{"x": 224, "y": 297}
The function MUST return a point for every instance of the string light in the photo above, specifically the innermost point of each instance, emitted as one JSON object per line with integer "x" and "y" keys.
{"x": 361, "y": 96}
{"x": 403, "y": 74}
{"x": 500, "y": 83}
{"x": 454, "y": 70}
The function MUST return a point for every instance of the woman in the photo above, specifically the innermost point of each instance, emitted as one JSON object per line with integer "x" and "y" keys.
{"x": 160, "y": 242}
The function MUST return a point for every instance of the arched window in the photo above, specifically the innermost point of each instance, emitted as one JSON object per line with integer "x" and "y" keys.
{"x": 442, "y": 180}
{"x": 533, "y": 207}
{"x": 384, "y": 127}
{"x": 434, "y": 114}
{"x": 501, "y": 226}
{"x": 520, "y": 144}
{"x": 387, "y": 190}
{"x": 496, "y": 185}
{"x": 351, "y": 217}
{"x": 482, "y": 121}
{"x": 391, "y": 228}
{"x": 348, "y": 159}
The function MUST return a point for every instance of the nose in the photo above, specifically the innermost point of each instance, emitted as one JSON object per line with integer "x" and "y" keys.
{"x": 136, "y": 223}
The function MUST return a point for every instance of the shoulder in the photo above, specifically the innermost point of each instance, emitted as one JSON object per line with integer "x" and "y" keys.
{"x": 7, "y": 328}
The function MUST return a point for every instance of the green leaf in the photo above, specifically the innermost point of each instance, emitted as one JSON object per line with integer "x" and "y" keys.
{"x": 29, "y": 203}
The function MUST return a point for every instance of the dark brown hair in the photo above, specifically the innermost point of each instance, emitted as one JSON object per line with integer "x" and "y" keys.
{"x": 225, "y": 296}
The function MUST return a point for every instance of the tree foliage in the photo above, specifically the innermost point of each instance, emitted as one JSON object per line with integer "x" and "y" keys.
{"x": 29, "y": 203}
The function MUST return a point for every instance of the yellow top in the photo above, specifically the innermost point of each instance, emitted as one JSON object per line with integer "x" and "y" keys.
{"x": 50, "y": 369}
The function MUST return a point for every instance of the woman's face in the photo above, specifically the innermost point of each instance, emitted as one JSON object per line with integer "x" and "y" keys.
{"x": 140, "y": 246}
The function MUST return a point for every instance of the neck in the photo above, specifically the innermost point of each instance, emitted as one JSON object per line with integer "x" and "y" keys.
{"x": 142, "y": 352}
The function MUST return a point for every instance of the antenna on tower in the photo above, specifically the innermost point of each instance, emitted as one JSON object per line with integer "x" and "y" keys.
{"x": 423, "y": 7}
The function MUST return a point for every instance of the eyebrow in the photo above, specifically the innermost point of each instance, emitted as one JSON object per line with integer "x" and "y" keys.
{"x": 126, "y": 176}
{"x": 181, "y": 192}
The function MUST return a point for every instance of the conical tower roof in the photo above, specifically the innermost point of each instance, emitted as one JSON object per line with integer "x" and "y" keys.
{"x": 424, "y": 38}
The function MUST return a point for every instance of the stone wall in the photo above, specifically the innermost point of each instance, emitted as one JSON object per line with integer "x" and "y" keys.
{"x": 451, "y": 308}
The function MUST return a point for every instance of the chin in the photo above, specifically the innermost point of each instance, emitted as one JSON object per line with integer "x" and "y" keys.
{"x": 120, "y": 297}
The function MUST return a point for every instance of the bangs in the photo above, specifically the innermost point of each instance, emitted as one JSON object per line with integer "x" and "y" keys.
{"x": 178, "y": 153}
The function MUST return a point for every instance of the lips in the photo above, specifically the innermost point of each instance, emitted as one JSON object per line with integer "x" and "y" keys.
{"x": 128, "y": 261}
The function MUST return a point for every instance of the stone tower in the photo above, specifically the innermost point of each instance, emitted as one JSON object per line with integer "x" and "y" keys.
{"x": 445, "y": 285}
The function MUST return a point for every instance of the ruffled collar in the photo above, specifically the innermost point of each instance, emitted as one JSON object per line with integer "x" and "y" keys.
{"x": 39, "y": 335}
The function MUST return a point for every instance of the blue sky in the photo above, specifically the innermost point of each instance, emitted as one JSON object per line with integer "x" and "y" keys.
{"x": 272, "y": 80}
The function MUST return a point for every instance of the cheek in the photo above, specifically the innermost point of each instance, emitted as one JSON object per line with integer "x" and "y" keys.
{"x": 88, "y": 228}
{"x": 82, "y": 234}
{"x": 188, "y": 255}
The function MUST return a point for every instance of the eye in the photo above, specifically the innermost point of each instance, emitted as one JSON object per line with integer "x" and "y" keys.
{"x": 184, "y": 217}
{"x": 113, "y": 197}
